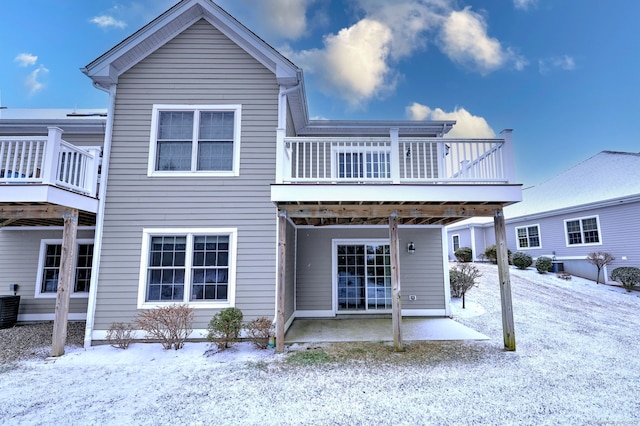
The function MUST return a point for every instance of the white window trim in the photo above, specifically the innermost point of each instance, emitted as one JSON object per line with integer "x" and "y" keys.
{"x": 157, "y": 108}
{"x": 43, "y": 246}
{"x": 453, "y": 246}
{"x": 566, "y": 234}
{"x": 539, "y": 236}
{"x": 147, "y": 233}
{"x": 334, "y": 268}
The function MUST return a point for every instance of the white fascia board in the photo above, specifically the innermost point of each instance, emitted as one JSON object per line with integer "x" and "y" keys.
{"x": 395, "y": 193}
{"x": 48, "y": 194}
{"x": 108, "y": 67}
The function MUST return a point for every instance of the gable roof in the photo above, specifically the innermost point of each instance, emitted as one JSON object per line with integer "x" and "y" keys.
{"x": 606, "y": 177}
{"x": 106, "y": 69}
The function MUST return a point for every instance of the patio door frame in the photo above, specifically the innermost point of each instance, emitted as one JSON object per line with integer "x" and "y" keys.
{"x": 334, "y": 273}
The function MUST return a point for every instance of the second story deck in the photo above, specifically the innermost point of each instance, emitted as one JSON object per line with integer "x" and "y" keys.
{"x": 48, "y": 170}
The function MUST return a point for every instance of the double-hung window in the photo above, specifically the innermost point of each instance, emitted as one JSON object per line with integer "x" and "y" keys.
{"x": 528, "y": 237}
{"x": 188, "y": 266}
{"x": 583, "y": 231}
{"x": 200, "y": 140}
{"x": 49, "y": 268}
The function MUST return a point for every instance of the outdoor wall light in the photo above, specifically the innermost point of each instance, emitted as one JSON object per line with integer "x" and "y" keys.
{"x": 411, "y": 248}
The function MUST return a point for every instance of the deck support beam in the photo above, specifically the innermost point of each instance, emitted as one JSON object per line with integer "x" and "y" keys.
{"x": 280, "y": 285}
{"x": 502, "y": 255}
{"x": 396, "y": 302}
{"x": 65, "y": 281}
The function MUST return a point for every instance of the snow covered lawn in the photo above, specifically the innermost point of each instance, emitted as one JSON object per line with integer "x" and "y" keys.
{"x": 576, "y": 362}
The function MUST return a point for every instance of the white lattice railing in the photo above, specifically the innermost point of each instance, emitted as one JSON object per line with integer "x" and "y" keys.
{"x": 396, "y": 160}
{"x": 49, "y": 160}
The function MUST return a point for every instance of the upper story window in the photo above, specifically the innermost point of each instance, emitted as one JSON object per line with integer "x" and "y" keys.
{"x": 528, "y": 237}
{"x": 49, "y": 269}
{"x": 195, "y": 139}
{"x": 583, "y": 231}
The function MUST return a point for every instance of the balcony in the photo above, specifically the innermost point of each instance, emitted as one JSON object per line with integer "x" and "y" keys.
{"x": 47, "y": 170}
{"x": 408, "y": 160}
{"x": 49, "y": 160}
{"x": 333, "y": 180}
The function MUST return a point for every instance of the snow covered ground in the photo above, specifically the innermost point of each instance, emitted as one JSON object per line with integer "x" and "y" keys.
{"x": 576, "y": 363}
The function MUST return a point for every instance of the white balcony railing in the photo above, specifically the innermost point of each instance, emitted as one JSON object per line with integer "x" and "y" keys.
{"x": 397, "y": 160}
{"x": 49, "y": 160}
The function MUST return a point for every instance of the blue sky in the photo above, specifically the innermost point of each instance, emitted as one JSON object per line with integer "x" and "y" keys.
{"x": 564, "y": 74}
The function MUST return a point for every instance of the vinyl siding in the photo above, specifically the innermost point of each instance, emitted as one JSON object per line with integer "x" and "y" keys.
{"x": 618, "y": 225}
{"x": 421, "y": 273}
{"x": 199, "y": 66}
{"x": 19, "y": 256}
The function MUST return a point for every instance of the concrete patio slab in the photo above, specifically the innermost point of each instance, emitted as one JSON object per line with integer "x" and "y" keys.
{"x": 377, "y": 329}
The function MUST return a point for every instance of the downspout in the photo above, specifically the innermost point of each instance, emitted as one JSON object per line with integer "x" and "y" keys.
{"x": 99, "y": 231}
{"x": 280, "y": 134}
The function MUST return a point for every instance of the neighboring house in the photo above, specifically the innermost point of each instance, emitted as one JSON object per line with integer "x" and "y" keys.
{"x": 218, "y": 191}
{"x": 593, "y": 206}
{"x": 31, "y": 244}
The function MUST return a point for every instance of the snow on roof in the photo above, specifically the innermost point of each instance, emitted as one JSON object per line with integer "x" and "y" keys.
{"x": 51, "y": 113}
{"x": 607, "y": 175}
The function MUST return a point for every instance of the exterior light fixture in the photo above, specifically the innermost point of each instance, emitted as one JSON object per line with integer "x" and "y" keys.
{"x": 411, "y": 248}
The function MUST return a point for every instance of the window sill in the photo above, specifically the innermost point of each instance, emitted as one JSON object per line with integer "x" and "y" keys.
{"x": 193, "y": 305}
{"x": 203, "y": 174}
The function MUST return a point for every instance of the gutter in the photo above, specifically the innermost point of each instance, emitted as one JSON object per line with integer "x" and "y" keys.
{"x": 99, "y": 232}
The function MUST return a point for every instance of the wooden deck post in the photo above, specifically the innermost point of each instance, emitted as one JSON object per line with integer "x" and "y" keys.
{"x": 65, "y": 281}
{"x": 505, "y": 282}
{"x": 396, "y": 302}
{"x": 280, "y": 286}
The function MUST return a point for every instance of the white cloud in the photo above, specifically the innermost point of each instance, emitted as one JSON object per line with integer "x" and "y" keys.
{"x": 353, "y": 63}
{"x": 524, "y": 4}
{"x": 284, "y": 18}
{"x": 359, "y": 62}
{"x": 33, "y": 82}
{"x": 467, "y": 125}
{"x": 466, "y": 42}
{"x": 105, "y": 21}
{"x": 564, "y": 62}
{"x": 26, "y": 59}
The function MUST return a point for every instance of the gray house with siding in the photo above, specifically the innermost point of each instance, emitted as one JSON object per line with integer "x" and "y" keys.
{"x": 217, "y": 190}
{"x": 593, "y": 206}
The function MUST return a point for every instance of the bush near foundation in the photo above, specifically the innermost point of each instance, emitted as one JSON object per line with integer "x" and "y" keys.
{"x": 171, "y": 325}
{"x": 224, "y": 328}
{"x": 522, "y": 260}
{"x": 119, "y": 335}
{"x": 464, "y": 254}
{"x": 628, "y": 276}
{"x": 491, "y": 254}
{"x": 259, "y": 330}
{"x": 543, "y": 264}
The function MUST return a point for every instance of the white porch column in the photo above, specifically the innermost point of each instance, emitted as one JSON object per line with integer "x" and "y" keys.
{"x": 394, "y": 156}
{"x": 51, "y": 151}
{"x": 508, "y": 156}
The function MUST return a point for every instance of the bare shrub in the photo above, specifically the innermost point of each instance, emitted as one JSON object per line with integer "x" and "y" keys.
{"x": 171, "y": 325}
{"x": 462, "y": 277}
{"x": 119, "y": 335}
{"x": 224, "y": 328}
{"x": 600, "y": 259}
{"x": 259, "y": 330}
